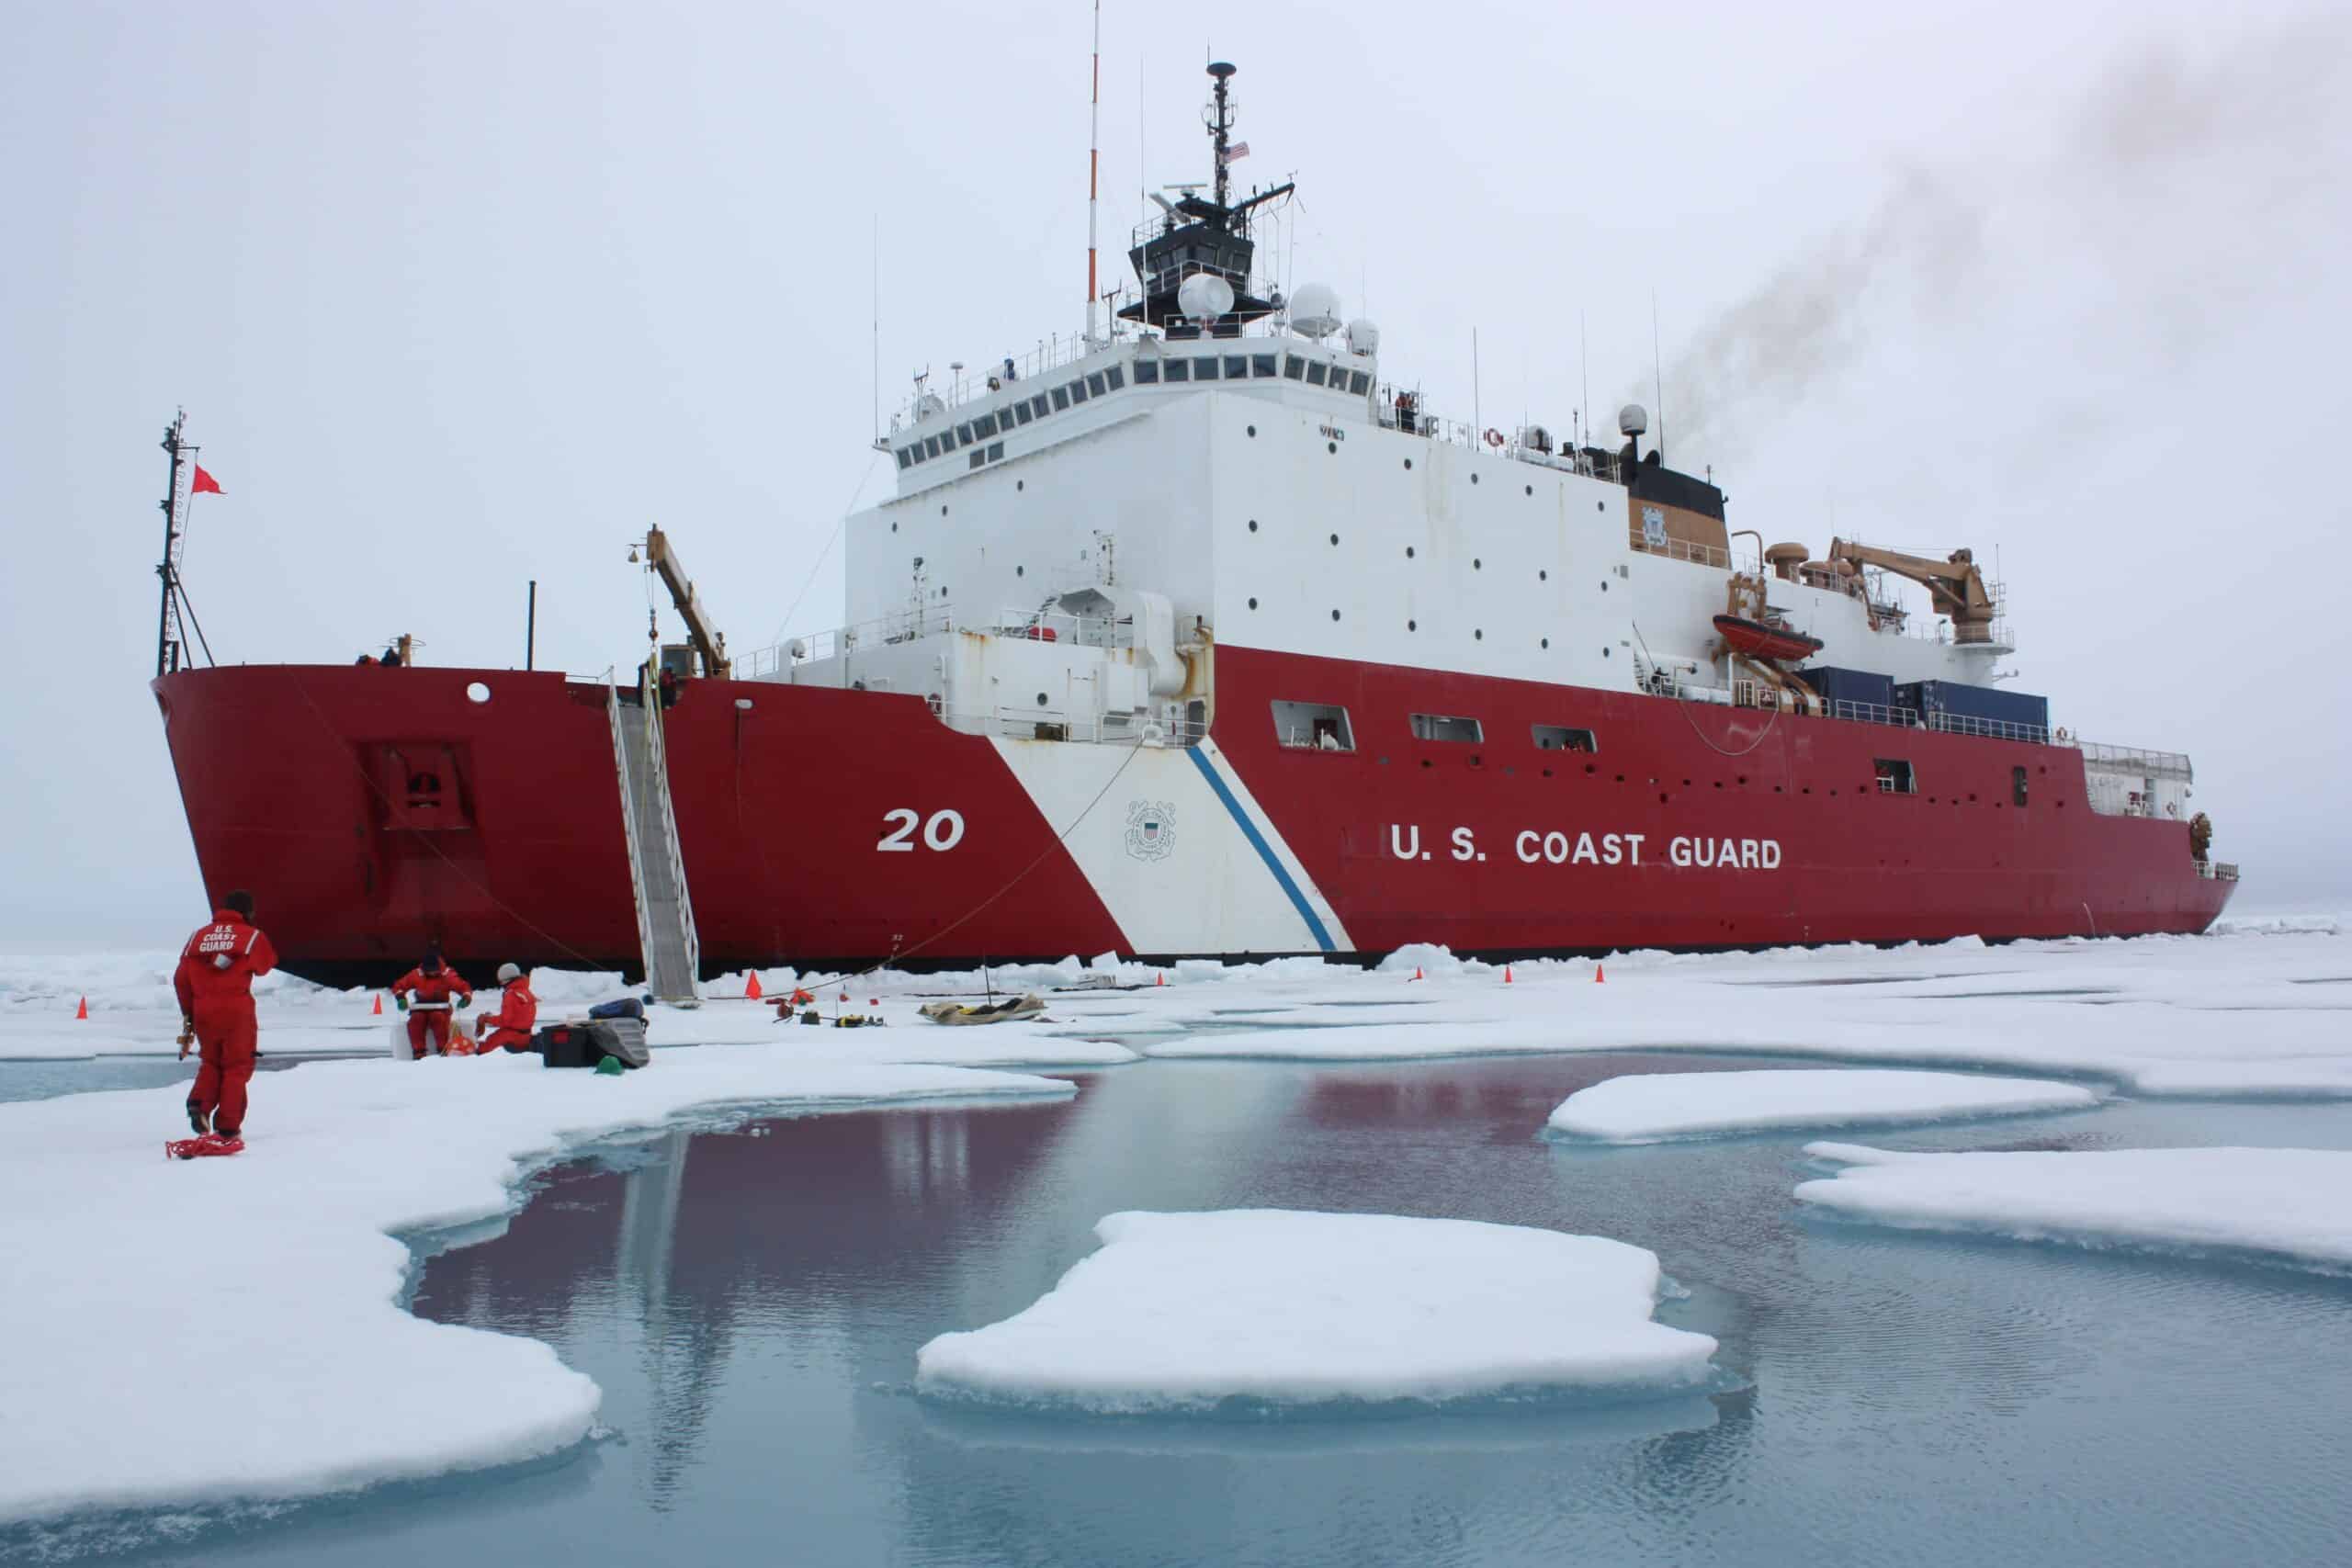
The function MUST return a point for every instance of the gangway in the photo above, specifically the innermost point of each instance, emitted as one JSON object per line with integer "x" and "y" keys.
{"x": 665, "y": 915}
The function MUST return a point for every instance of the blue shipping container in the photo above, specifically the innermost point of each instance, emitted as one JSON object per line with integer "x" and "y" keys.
{"x": 1988, "y": 705}
{"x": 1837, "y": 685}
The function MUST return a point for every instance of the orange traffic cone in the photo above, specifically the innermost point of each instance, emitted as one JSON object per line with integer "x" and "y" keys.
{"x": 1506, "y": 974}
{"x": 380, "y": 1004}
{"x": 1417, "y": 971}
{"x": 751, "y": 986}
{"x": 1162, "y": 980}
{"x": 845, "y": 996}
{"x": 83, "y": 1011}
{"x": 1599, "y": 975}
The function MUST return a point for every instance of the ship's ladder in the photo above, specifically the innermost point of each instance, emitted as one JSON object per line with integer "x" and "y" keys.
{"x": 665, "y": 915}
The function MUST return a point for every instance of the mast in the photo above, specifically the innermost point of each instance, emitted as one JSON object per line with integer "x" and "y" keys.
{"x": 1221, "y": 126}
{"x": 1093, "y": 170}
{"x": 168, "y": 638}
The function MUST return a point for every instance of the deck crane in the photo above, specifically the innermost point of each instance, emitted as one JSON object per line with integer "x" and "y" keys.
{"x": 1955, "y": 586}
{"x": 709, "y": 643}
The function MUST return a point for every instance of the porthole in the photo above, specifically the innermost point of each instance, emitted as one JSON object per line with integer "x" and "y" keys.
{"x": 1408, "y": 464}
{"x": 1544, "y": 576}
{"x": 477, "y": 693}
{"x": 1335, "y": 615}
{"x": 1531, "y": 490}
{"x": 1479, "y": 635}
{"x": 1254, "y": 603}
{"x": 1021, "y": 484}
{"x": 1041, "y": 699}
{"x": 1409, "y": 552}
{"x": 1253, "y": 433}
{"x": 1253, "y": 524}
{"x": 1478, "y": 565}
{"x": 1413, "y": 626}
{"x": 1474, "y": 479}
{"x": 1333, "y": 447}
{"x": 1604, "y": 586}
{"x": 1335, "y": 539}
{"x": 1020, "y": 571}
{"x": 894, "y": 528}
{"x": 1547, "y": 642}
{"x": 1604, "y": 653}
{"x": 943, "y": 510}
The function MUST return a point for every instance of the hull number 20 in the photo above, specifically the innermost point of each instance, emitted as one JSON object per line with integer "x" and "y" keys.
{"x": 943, "y": 832}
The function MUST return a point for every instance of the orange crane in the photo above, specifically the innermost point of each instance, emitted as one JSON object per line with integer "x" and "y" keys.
{"x": 709, "y": 643}
{"x": 1954, "y": 584}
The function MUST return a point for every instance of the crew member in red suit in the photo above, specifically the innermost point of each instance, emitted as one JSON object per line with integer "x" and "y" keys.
{"x": 214, "y": 982}
{"x": 518, "y": 1011}
{"x": 424, "y": 993}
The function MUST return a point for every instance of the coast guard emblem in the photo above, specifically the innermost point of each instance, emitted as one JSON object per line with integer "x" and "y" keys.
{"x": 1654, "y": 527}
{"x": 1151, "y": 830}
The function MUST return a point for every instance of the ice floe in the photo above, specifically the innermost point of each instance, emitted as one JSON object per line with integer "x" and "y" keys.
{"x": 1279, "y": 1308}
{"x": 2291, "y": 1206}
{"x": 1654, "y": 1107}
{"x": 233, "y": 1328}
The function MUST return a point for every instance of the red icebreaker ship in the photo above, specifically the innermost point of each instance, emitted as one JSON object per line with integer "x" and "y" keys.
{"x": 1196, "y": 635}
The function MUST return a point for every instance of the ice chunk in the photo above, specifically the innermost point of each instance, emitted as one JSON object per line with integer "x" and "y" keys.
{"x": 231, "y": 1329}
{"x": 1653, "y": 1107}
{"x": 2285, "y": 1205}
{"x": 1181, "y": 1312}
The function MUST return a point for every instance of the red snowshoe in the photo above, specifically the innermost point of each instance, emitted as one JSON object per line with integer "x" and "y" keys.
{"x": 198, "y": 1148}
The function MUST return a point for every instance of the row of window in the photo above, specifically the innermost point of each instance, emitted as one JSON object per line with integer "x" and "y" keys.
{"x": 1897, "y": 776}
{"x": 1324, "y": 727}
{"x": 981, "y": 432}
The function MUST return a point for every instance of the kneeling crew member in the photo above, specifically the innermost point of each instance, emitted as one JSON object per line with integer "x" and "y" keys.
{"x": 214, "y": 983}
{"x": 424, "y": 994}
{"x": 517, "y": 1014}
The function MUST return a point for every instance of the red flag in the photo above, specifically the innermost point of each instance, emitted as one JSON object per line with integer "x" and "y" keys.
{"x": 205, "y": 482}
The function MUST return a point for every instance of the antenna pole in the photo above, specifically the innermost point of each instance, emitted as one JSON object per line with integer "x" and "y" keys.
{"x": 1477, "y": 420}
{"x": 1658, "y": 366}
{"x": 1093, "y": 168}
{"x": 1584, "y": 373}
{"x": 167, "y": 642}
{"x": 1220, "y": 124}
{"x": 878, "y": 329}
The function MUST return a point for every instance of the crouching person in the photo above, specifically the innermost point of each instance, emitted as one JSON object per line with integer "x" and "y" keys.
{"x": 517, "y": 1014}
{"x": 424, "y": 993}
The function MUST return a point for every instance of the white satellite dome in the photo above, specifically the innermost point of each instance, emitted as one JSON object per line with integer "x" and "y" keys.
{"x": 1362, "y": 337}
{"x": 1204, "y": 296}
{"x": 1632, "y": 419}
{"x": 1315, "y": 312}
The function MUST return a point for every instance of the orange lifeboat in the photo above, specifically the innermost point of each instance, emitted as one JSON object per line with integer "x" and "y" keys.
{"x": 1758, "y": 641}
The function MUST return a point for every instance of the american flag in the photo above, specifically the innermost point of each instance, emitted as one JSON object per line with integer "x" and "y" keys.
{"x": 1238, "y": 150}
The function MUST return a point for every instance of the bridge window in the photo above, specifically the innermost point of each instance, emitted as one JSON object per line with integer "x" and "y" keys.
{"x": 1146, "y": 372}
{"x": 1440, "y": 726}
{"x": 1560, "y": 738}
{"x": 1314, "y": 727}
{"x": 1115, "y": 379}
{"x": 1262, "y": 364}
{"x": 1358, "y": 382}
{"x": 1062, "y": 399}
{"x": 1094, "y": 384}
{"x": 1204, "y": 369}
{"x": 1293, "y": 366}
{"x": 963, "y": 435}
{"x": 1237, "y": 366}
{"x": 984, "y": 426}
{"x": 1894, "y": 776}
{"x": 1020, "y": 411}
{"x": 1078, "y": 392}
{"x": 1037, "y": 405}
{"x": 906, "y": 458}
{"x": 1317, "y": 372}
{"x": 930, "y": 446}
{"x": 1179, "y": 370}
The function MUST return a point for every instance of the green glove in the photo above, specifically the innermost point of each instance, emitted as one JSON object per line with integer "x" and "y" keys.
{"x": 465, "y": 1002}
{"x": 399, "y": 1000}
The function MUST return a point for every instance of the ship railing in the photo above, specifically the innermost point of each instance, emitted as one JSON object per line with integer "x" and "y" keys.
{"x": 1876, "y": 713}
{"x": 962, "y": 386}
{"x": 1991, "y": 729}
{"x": 2217, "y": 871}
{"x": 883, "y": 631}
{"x": 1679, "y": 549}
{"x": 1065, "y": 725}
{"x": 2132, "y": 759}
{"x": 1061, "y": 627}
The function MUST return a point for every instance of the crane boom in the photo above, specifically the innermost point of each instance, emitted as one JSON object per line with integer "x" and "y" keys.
{"x": 1955, "y": 586}
{"x": 708, "y": 641}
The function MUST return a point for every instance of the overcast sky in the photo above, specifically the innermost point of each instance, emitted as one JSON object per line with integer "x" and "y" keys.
{"x": 460, "y": 295}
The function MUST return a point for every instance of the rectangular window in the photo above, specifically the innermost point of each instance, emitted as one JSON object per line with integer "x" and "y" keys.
{"x": 1179, "y": 370}
{"x": 1115, "y": 378}
{"x": 1146, "y": 372}
{"x": 976, "y": 459}
{"x": 1062, "y": 399}
{"x": 1237, "y": 366}
{"x": 962, "y": 435}
{"x": 1314, "y": 727}
{"x": 996, "y": 451}
{"x": 1205, "y": 370}
{"x": 1894, "y": 776}
{"x": 1037, "y": 405}
{"x": 1021, "y": 411}
{"x": 984, "y": 426}
{"x": 906, "y": 458}
{"x": 1439, "y": 727}
{"x": 1293, "y": 366}
{"x": 2016, "y": 785}
{"x": 1359, "y": 382}
{"x": 1560, "y": 738}
{"x": 1077, "y": 393}
{"x": 1263, "y": 365}
{"x": 931, "y": 446}
{"x": 1094, "y": 384}
{"x": 1316, "y": 372}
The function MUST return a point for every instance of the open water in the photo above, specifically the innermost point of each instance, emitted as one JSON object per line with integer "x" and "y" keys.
{"x": 752, "y": 1301}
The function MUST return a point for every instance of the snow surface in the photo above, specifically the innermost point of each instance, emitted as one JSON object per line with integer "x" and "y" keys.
{"x": 1653, "y": 1107}
{"x": 1179, "y": 1311}
{"x": 179, "y": 1332}
{"x": 2291, "y": 1206}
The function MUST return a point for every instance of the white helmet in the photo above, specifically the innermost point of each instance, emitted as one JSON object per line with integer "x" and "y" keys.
{"x": 507, "y": 972}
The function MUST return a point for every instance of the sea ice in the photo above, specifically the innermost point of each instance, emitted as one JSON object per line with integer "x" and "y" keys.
{"x": 231, "y": 1329}
{"x": 1653, "y": 1107}
{"x": 2290, "y": 1206}
{"x": 1179, "y": 1311}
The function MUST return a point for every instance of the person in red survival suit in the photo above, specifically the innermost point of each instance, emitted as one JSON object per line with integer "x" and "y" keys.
{"x": 424, "y": 994}
{"x": 517, "y": 1014}
{"x": 214, "y": 982}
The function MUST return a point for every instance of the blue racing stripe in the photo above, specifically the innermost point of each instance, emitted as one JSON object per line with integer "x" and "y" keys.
{"x": 1265, "y": 851}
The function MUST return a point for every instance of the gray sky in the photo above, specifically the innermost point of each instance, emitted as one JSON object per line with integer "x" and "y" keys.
{"x": 459, "y": 294}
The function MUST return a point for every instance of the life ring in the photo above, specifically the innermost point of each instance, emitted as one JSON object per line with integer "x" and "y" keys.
{"x": 1494, "y": 438}
{"x": 1151, "y": 734}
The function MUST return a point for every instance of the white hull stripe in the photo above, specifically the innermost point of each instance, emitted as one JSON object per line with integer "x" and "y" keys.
{"x": 1288, "y": 874}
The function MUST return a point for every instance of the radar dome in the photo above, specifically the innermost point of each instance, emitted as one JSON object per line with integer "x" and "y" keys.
{"x": 1632, "y": 419}
{"x": 1315, "y": 312}
{"x": 1362, "y": 337}
{"x": 1204, "y": 296}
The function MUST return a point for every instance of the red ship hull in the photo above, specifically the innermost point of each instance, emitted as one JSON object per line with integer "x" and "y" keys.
{"x": 296, "y": 784}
